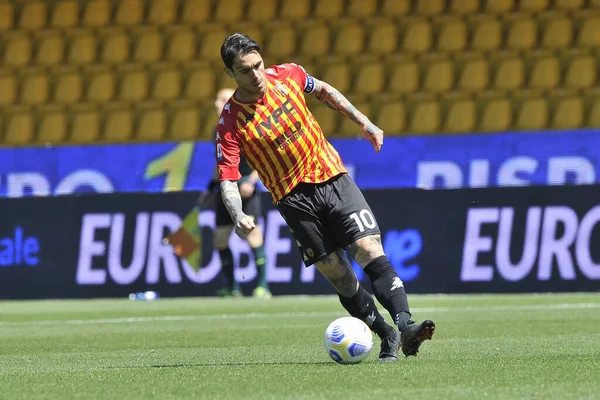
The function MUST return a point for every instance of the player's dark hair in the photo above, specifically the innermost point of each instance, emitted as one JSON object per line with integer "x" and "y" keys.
{"x": 235, "y": 45}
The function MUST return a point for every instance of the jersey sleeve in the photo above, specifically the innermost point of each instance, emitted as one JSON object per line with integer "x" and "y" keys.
{"x": 228, "y": 153}
{"x": 298, "y": 73}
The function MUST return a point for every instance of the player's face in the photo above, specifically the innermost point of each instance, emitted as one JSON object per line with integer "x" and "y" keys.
{"x": 249, "y": 73}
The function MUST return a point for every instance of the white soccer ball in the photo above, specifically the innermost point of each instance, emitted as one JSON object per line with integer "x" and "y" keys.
{"x": 348, "y": 340}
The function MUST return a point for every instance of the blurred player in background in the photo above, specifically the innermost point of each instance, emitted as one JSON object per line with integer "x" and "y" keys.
{"x": 267, "y": 121}
{"x": 251, "y": 206}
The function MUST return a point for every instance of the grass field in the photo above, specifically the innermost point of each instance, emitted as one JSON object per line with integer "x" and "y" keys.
{"x": 497, "y": 347}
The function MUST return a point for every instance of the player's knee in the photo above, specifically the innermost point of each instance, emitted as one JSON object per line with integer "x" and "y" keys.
{"x": 221, "y": 238}
{"x": 366, "y": 249}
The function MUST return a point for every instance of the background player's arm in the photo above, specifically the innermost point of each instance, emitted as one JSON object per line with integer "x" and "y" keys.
{"x": 335, "y": 100}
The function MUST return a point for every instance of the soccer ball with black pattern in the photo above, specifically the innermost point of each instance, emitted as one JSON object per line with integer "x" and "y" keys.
{"x": 348, "y": 340}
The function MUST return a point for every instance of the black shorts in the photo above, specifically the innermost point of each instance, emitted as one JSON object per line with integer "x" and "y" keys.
{"x": 326, "y": 216}
{"x": 250, "y": 206}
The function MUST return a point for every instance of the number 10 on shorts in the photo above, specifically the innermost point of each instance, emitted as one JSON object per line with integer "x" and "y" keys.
{"x": 363, "y": 219}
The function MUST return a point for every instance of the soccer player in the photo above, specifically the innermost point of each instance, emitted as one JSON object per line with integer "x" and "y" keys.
{"x": 251, "y": 206}
{"x": 267, "y": 121}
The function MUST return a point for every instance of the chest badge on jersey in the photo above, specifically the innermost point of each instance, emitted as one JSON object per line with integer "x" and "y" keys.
{"x": 281, "y": 90}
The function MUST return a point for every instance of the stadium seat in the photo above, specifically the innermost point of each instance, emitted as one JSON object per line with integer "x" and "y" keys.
{"x": 7, "y": 16}
{"x": 509, "y": 73}
{"x": 589, "y": 33}
{"x": 17, "y": 50}
{"x": 315, "y": 39}
{"x": 162, "y": 12}
{"x": 499, "y": 6}
{"x": 199, "y": 81}
{"x": 424, "y": 116}
{"x": 68, "y": 86}
{"x": 349, "y": 39}
{"x": 50, "y": 48}
{"x": 438, "y": 73}
{"x": 567, "y": 110}
{"x": 451, "y": 35}
{"x": 361, "y": 8}
{"x": 151, "y": 123}
{"x": 544, "y": 72}
{"x": 521, "y": 33}
{"x": 404, "y": 77}
{"x": 212, "y": 37}
{"x": 326, "y": 118}
{"x": 33, "y": 16}
{"x": 133, "y": 85}
{"x": 495, "y": 114}
{"x": 557, "y": 33}
{"x": 115, "y": 47}
{"x": 326, "y": 10}
{"x": 166, "y": 82}
{"x": 383, "y": 38}
{"x": 8, "y": 88}
{"x": 85, "y": 124}
{"x": 370, "y": 78}
{"x": 195, "y": 11}
{"x": 129, "y": 12}
{"x": 100, "y": 84}
{"x": 487, "y": 34}
{"x": 395, "y": 8}
{"x": 430, "y": 7}
{"x": 533, "y": 6}
{"x": 261, "y": 10}
{"x": 459, "y": 114}
{"x": 594, "y": 4}
{"x": 338, "y": 76}
{"x": 391, "y": 117}
{"x": 35, "y": 86}
{"x": 96, "y": 13}
{"x": 148, "y": 45}
{"x": 82, "y": 46}
{"x": 473, "y": 73}
{"x": 65, "y": 14}
{"x": 180, "y": 44}
{"x": 464, "y": 7}
{"x": 581, "y": 72}
{"x": 184, "y": 121}
{"x": 118, "y": 123}
{"x": 52, "y": 125}
{"x": 19, "y": 126}
{"x": 294, "y": 10}
{"x": 227, "y": 11}
{"x": 568, "y": 5}
{"x": 282, "y": 40}
{"x": 532, "y": 112}
{"x": 593, "y": 115}
{"x": 417, "y": 36}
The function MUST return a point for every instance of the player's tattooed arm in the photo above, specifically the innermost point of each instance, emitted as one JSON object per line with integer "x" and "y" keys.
{"x": 232, "y": 199}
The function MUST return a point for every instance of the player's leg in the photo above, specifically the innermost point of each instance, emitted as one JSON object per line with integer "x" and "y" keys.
{"x": 357, "y": 227}
{"x": 224, "y": 227}
{"x": 252, "y": 207}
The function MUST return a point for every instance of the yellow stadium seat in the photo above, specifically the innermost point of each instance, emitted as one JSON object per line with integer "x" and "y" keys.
{"x": 294, "y": 10}
{"x": 212, "y": 38}
{"x": 101, "y": 84}
{"x": 184, "y": 123}
{"x": 52, "y": 125}
{"x": 65, "y": 14}
{"x": 118, "y": 123}
{"x": 129, "y": 12}
{"x": 166, "y": 83}
{"x": 593, "y": 115}
{"x": 473, "y": 73}
{"x": 395, "y": 8}
{"x": 338, "y": 76}
{"x": 151, "y": 122}
{"x": 404, "y": 77}
{"x": 162, "y": 12}
{"x": 383, "y": 38}
{"x": 314, "y": 39}
{"x": 509, "y": 73}
{"x": 499, "y": 6}
{"x": 557, "y": 33}
{"x": 581, "y": 72}
{"x": 85, "y": 124}
{"x": 148, "y": 45}
{"x": 487, "y": 34}
{"x": 533, "y": 6}
{"x": 327, "y": 10}
{"x": 417, "y": 36}
{"x": 467, "y": 7}
{"x": 544, "y": 73}
{"x": 133, "y": 85}
{"x": 361, "y": 8}
{"x": 424, "y": 116}
{"x": 327, "y": 119}
{"x": 261, "y": 10}
{"x": 349, "y": 128}
{"x": 7, "y": 16}
{"x": 430, "y": 7}
{"x": 532, "y": 113}
{"x": 521, "y": 33}
{"x": 199, "y": 82}
{"x": 227, "y": 11}
{"x": 115, "y": 47}
{"x": 19, "y": 129}
{"x": 195, "y": 11}
{"x": 594, "y": 4}
{"x": 68, "y": 86}
{"x": 495, "y": 114}
{"x": 370, "y": 78}
{"x": 96, "y": 13}
{"x": 82, "y": 47}
{"x": 8, "y": 87}
{"x": 459, "y": 114}
{"x": 589, "y": 33}
{"x": 439, "y": 74}
{"x": 452, "y": 35}
{"x": 181, "y": 44}
{"x": 17, "y": 50}
{"x": 50, "y": 48}
{"x": 35, "y": 86}
{"x": 568, "y": 5}
{"x": 391, "y": 117}
{"x": 567, "y": 110}
{"x": 349, "y": 39}
{"x": 282, "y": 40}
{"x": 33, "y": 15}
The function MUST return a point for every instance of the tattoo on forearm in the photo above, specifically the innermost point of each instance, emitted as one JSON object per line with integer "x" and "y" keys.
{"x": 366, "y": 249}
{"x": 231, "y": 198}
{"x": 333, "y": 99}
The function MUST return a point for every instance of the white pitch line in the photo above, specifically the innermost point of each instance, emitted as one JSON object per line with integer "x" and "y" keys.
{"x": 128, "y": 320}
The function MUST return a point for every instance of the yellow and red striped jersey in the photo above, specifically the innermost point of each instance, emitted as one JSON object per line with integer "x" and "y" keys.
{"x": 278, "y": 135}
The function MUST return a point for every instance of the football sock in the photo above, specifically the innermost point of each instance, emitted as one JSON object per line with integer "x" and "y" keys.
{"x": 261, "y": 266}
{"x": 362, "y": 306}
{"x": 389, "y": 290}
{"x": 227, "y": 268}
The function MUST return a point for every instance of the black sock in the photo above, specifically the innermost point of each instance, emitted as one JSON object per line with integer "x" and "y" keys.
{"x": 389, "y": 290}
{"x": 227, "y": 268}
{"x": 362, "y": 306}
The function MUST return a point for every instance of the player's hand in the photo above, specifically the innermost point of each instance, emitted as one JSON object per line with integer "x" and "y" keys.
{"x": 244, "y": 225}
{"x": 374, "y": 135}
{"x": 247, "y": 189}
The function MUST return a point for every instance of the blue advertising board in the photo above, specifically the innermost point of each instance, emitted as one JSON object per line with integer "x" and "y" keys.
{"x": 430, "y": 162}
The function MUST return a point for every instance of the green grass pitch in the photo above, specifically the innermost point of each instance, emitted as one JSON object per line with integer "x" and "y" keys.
{"x": 493, "y": 347}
